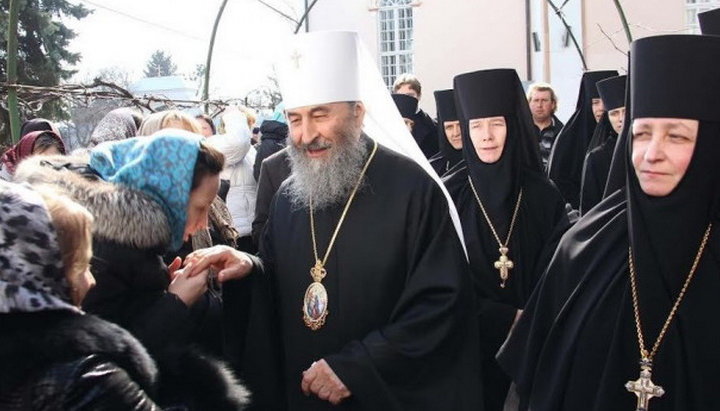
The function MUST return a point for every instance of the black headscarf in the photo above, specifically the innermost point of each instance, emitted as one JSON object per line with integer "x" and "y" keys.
{"x": 568, "y": 154}
{"x": 710, "y": 22}
{"x": 577, "y": 344}
{"x": 406, "y": 105}
{"x": 445, "y": 103}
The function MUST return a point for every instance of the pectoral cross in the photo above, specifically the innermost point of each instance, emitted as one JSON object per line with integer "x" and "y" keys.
{"x": 643, "y": 387}
{"x": 296, "y": 58}
{"x": 504, "y": 264}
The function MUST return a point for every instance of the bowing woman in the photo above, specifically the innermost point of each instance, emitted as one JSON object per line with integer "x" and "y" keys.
{"x": 626, "y": 314}
{"x": 510, "y": 212}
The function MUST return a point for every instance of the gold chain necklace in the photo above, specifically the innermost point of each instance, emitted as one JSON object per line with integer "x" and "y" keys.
{"x": 503, "y": 264}
{"x": 643, "y": 387}
{"x": 315, "y": 303}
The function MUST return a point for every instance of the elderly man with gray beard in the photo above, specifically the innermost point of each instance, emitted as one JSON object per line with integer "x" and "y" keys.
{"x": 361, "y": 295}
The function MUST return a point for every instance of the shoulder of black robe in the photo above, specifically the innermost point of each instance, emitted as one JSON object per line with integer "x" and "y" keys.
{"x": 400, "y": 331}
{"x": 595, "y": 174}
{"x": 568, "y": 153}
{"x": 440, "y": 164}
{"x": 425, "y": 133}
{"x": 571, "y": 284}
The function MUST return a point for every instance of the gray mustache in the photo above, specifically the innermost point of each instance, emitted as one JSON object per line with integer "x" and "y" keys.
{"x": 315, "y": 145}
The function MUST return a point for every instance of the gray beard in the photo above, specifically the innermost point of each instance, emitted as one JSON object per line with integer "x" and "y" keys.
{"x": 327, "y": 181}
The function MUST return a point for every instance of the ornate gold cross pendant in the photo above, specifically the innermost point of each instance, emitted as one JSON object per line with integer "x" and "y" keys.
{"x": 504, "y": 264}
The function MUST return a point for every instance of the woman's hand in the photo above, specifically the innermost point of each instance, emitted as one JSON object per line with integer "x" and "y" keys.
{"x": 189, "y": 288}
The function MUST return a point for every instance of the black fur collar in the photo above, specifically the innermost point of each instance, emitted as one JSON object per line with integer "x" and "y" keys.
{"x": 30, "y": 342}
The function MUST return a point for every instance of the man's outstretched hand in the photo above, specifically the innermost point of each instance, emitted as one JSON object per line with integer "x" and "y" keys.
{"x": 228, "y": 262}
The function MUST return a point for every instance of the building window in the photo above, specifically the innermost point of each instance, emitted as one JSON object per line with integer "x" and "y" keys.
{"x": 395, "y": 32}
{"x": 693, "y": 7}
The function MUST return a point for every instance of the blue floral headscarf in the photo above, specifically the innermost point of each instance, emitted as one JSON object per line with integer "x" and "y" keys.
{"x": 160, "y": 166}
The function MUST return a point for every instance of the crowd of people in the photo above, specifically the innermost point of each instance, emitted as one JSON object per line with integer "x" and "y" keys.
{"x": 351, "y": 252}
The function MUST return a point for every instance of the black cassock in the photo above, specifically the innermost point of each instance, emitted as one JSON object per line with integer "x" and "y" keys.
{"x": 400, "y": 331}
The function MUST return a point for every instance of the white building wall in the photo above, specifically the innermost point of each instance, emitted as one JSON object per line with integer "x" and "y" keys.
{"x": 456, "y": 36}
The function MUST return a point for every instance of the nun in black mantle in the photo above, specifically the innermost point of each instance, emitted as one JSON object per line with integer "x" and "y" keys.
{"x": 511, "y": 214}
{"x": 449, "y": 134}
{"x": 626, "y": 313}
{"x": 602, "y": 145}
{"x": 565, "y": 165}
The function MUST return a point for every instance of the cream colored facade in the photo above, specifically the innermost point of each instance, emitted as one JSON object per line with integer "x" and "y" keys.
{"x": 456, "y": 36}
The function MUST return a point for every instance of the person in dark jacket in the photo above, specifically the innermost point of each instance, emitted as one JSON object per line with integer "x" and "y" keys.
{"x": 54, "y": 355}
{"x": 424, "y": 127}
{"x": 142, "y": 209}
{"x": 274, "y": 132}
{"x": 275, "y": 169}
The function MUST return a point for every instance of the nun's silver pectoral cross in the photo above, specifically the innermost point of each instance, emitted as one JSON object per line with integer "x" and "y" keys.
{"x": 504, "y": 264}
{"x": 644, "y": 388}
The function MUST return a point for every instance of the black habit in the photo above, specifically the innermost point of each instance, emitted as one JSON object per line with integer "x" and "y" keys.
{"x": 400, "y": 332}
{"x": 576, "y": 345}
{"x": 541, "y": 217}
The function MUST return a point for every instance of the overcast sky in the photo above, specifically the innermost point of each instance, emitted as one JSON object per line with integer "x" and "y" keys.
{"x": 125, "y": 33}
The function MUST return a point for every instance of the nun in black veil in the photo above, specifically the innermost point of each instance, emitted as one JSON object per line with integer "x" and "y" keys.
{"x": 626, "y": 313}
{"x": 565, "y": 165}
{"x": 511, "y": 214}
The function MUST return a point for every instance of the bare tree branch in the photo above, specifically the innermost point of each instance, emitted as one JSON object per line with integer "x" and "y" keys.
{"x": 564, "y": 3}
{"x": 611, "y": 41}
{"x": 560, "y": 15}
{"x": 623, "y": 19}
{"x": 304, "y": 16}
{"x": 276, "y": 10}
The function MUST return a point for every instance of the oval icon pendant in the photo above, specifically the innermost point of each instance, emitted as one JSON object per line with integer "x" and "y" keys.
{"x": 315, "y": 306}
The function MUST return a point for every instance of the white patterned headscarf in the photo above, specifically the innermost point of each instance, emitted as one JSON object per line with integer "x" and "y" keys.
{"x": 31, "y": 270}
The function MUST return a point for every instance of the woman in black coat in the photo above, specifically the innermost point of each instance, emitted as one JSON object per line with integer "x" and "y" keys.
{"x": 147, "y": 195}
{"x": 53, "y": 355}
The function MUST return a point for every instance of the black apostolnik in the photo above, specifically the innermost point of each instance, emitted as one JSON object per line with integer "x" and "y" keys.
{"x": 541, "y": 216}
{"x": 576, "y": 346}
